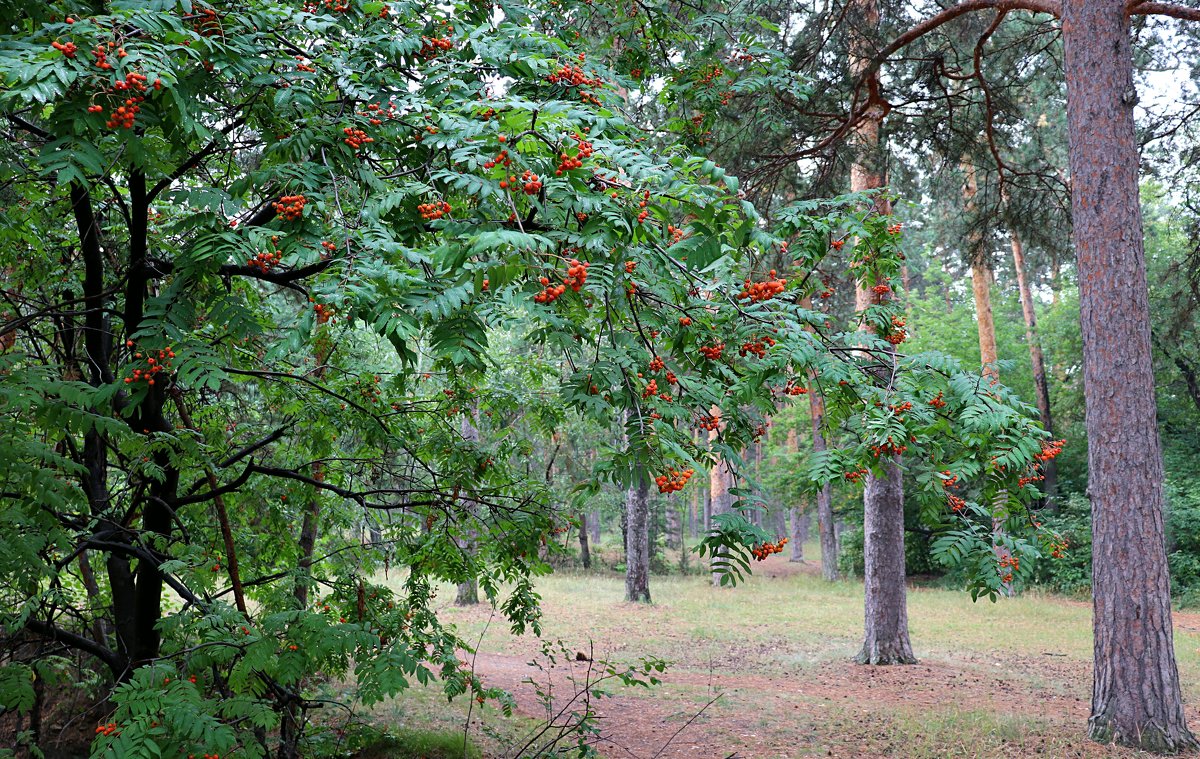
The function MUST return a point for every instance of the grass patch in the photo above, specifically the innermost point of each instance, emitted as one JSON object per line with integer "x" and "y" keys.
{"x": 421, "y": 744}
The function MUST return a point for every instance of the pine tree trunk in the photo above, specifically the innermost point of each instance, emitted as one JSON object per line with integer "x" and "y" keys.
{"x": 885, "y": 616}
{"x": 1136, "y": 697}
{"x": 801, "y": 520}
{"x": 674, "y": 524}
{"x": 720, "y": 500}
{"x": 1038, "y": 363}
{"x": 637, "y": 543}
{"x": 594, "y": 523}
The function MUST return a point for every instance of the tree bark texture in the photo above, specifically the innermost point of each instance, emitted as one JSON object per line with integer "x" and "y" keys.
{"x": 585, "y": 552}
{"x": 720, "y": 479}
{"x": 1136, "y": 697}
{"x": 885, "y": 616}
{"x": 801, "y": 521}
{"x": 637, "y": 542}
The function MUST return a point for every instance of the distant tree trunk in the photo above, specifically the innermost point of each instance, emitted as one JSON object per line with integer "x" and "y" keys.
{"x": 594, "y": 523}
{"x": 468, "y": 591}
{"x": 1136, "y": 697}
{"x": 674, "y": 524}
{"x": 825, "y": 522}
{"x": 695, "y": 512}
{"x": 1038, "y": 362}
{"x": 637, "y": 542}
{"x": 797, "y": 553}
{"x": 720, "y": 479}
{"x": 826, "y": 525}
{"x": 981, "y": 279}
{"x": 585, "y": 553}
{"x": 708, "y": 511}
{"x": 886, "y": 619}
{"x": 801, "y": 520}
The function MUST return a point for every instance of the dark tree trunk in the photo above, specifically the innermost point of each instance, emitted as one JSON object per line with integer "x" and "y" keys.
{"x": 886, "y": 613}
{"x": 1136, "y": 697}
{"x": 637, "y": 541}
{"x": 585, "y": 551}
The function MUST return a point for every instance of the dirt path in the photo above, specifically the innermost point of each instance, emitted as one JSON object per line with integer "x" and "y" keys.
{"x": 839, "y": 710}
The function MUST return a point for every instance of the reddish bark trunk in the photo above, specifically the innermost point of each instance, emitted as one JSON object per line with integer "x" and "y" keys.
{"x": 1136, "y": 697}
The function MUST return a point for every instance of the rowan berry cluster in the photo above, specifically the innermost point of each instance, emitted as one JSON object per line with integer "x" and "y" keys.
{"x": 125, "y": 114}
{"x": 656, "y": 364}
{"x": 760, "y": 291}
{"x": 1050, "y": 449}
{"x": 673, "y": 481}
{"x": 290, "y": 207}
{"x": 101, "y": 54}
{"x": 1058, "y": 548}
{"x": 889, "y": 448}
{"x": 685, "y": 321}
{"x": 897, "y": 333}
{"x": 948, "y": 478}
{"x": 855, "y": 476}
{"x": 583, "y": 149}
{"x": 766, "y": 549}
{"x": 881, "y": 289}
{"x": 154, "y": 365}
{"x": 356, "y": 138}
{"x": 324, "y": 312}
{"x": 895, "y": 228}
{"x": 651, "y": 389}
{"x": 712, "y": 352}
{"x": 793, "y": 389}
{"x": 675, "y": 232}
{"x": 264, "y": 261}
{"x": 708, "y": 422}
{"x": 1032, "y": 477}
{"x": 328, "y": 248}
{"x": 434, "y": 210}
{"x": 530, "y": 183}
{"x": 432, "y": 47}
{"x": 335, "y": 6}
{"x": 376, "y": 113}
{"x": 551, "y": 292}
{"x": 837, "y": 244}
{"x": 709, "y": 74}
{"x": 572, "y": 75}
{"x": 109, "y": 728}
{"x": 756, "y": 345}
{"x": 207, "y": 23}
{"x": 1009, "y": 563}
{"x": 644, "y": 212}
{"x": 68, "y": 49}
{"x": 501, "y": 159}
{"x": 937, "y": 401}
{"x": 576, "y": 275}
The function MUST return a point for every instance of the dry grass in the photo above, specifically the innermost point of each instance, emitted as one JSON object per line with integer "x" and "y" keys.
{"x": 997, "y": 680}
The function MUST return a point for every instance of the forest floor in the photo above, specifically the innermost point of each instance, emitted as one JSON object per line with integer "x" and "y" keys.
{"x": 765, "y": 670}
